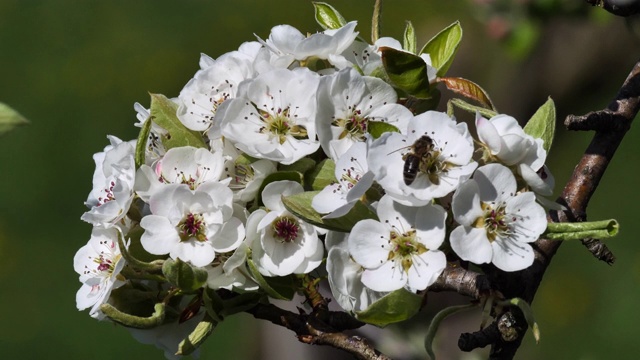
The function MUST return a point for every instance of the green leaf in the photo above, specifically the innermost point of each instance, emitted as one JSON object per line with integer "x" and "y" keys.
{"x": 469, "y": 89}
{"x": 406, "y": 71}
{"x": 241, "y": 302}
{"x": 186, "y": 277}
{"x": 435, "y": 323}
{"x": 10, "y": 119}
{"x": 163, "y": 113}
{"x": 418, "y": 106}
{"x": 397, "y": 306}
{"x": 543, "y": 124}
{"x": 327, "y": 16}
{"x": 281, "y": 288}
{"x": 197, "y": 336}
{"x": 301, "y": 166}
{"x": 409, "y": 39}
{"x": 213, "y": 304}
{"x": 322, "y": 176}
{"x": 300, "y": 206}
{"x": 442, "y": 48}
{"x": 582, "y": 230}
{"x": 141, "y": 144}
{"x": 377, "y": 128}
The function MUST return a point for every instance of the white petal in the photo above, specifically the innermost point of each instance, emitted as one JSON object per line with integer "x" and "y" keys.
{"x": 396, "y": 215}
{"x": 466, "y": 203}
{"x": 529, "y": 219}
{"x": 488, "y": 134}
{"x": 496, "y": 182}
{"x": 368, "y": 243}
{"x": 198, "y": 253}
{"x": 229, "y": 237}
{"x": 387, "y": 277}
{"x": 159, "y": 237}
{"x": 471, "y": 244}
{"x": 310, "y": 263}
{"x": 430, "y": 226}
{"x": 425, "y": 269}
{"x": 273, "y": 193}
{"x": 509, "y": 255}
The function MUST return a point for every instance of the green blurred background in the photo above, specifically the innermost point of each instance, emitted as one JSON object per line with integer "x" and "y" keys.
{"x": 75, "y": 68}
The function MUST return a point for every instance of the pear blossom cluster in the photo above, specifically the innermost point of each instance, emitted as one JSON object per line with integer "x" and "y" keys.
{"x": 262, "y": 114}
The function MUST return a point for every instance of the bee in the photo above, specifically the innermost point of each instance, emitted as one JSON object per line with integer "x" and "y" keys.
{"x": 420, "y": 150}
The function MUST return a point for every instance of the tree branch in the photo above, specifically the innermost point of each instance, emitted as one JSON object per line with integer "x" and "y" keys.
{"x": 311, "y": 330}
{"x": 576, "y": 195}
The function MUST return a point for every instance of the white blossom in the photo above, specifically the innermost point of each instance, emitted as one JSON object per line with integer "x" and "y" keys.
{"x": 273, "y": 117}
{"x": 496, "y": 223}
{"x": 347, "y": 101}
{"x": 282, "y": 244}
{"x": 113, "y": 181}
{"x": 345, "y": 276}
{"x": 288, "y": 44}
{"x": 353, "y": 180}
{"x": 181, "y": 165}
{"x": 209, "y": 88}
{"x": 440, "y": 152}
{"x": 99, "y": 263}
{"x": 192, "y": 225}
{"x": 400, "y": 250}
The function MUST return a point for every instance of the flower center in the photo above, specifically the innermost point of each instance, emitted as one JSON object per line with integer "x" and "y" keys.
{"x": 351, "y": 176}
{"x": 192, "y": 226}
{"x": 108, "y": 194}
{"x": 244, "y": 174}
{"x": 281, "y": 124}
{"x": 495, "y": 221}
{"x": 355, "y": 126}
{"x": 403, "y": 247}
{"x": 285, "y": 228}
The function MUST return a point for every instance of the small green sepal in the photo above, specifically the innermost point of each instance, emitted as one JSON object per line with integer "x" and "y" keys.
{"x": 141, "y": 144}
{"x": 133, "y": 321}
{"x": 184, "y": 276}
{"x": 197, "y": 336}
{"x": 461, "y": 104}
{"x": 327, "y": 16}
{"x": 409, "y": 42}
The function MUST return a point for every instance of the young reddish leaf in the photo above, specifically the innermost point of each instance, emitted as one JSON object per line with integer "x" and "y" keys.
{"x": 468, "y": 89}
